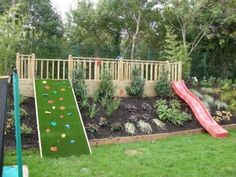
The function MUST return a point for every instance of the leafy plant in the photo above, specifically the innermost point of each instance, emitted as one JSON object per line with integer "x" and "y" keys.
{"x": 112, "y": 105}
{"x": 107, "y": 88}
{"x": 144, "y": 127}
{"x": 80, "y": 88}
{"x": 159, "y": 123}
{"x": 163, "y": 87}
{"x": 92, "y": 110}
{"x": 23, "y": 99}
{"x": 197, "y": 93}
{"x": 26, "y": 130}
{"x": 130, "y": 128}
{"x": 103, "y": 121}
{"x": 137, "y": 83}
{"x": 175, "y": 104}
{"x": 221, "y": 105}
{"x": 93, "y": 128}
{"x": 222, "y": 116}
{"x": 170, "y": 113}
{"x": 116, "y": 126}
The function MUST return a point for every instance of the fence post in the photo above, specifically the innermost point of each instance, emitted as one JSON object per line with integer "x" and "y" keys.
{"x": 70, "y": 67}
{"x": 168, "y": 69}
{"x": 32, "y": 65}
{"x": 120, "y": 70}
{"x": 18, "y": 64}
{"x": 179, "y": 70}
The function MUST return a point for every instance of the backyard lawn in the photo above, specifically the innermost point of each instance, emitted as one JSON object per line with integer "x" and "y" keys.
{"x": 195, "y": 155}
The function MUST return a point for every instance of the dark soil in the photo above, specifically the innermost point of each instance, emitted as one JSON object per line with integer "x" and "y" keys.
{"x": 122, "y": 115}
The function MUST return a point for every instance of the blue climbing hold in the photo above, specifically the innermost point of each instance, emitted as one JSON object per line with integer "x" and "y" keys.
{"x": 72, "y": 141}
{"x": 69, "y": 114}
{"x": 53, "y": 123}
{"x": 67, "y": 125}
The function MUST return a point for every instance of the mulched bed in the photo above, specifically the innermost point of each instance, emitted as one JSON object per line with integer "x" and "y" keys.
{"x": 122, "y": 115}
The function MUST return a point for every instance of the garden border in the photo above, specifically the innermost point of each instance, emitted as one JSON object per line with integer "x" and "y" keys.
{"x": 151, "y": 137}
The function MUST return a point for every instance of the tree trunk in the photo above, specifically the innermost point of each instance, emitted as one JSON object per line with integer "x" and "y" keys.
{"x": 134, "y": 38}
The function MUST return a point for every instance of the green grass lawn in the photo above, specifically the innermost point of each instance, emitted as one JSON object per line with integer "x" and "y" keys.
{"x": 196, "y": 155}
{"x": 61, "y": 131}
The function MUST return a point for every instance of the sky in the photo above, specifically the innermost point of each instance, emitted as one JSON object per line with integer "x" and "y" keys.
{"x": 64, "y": 6}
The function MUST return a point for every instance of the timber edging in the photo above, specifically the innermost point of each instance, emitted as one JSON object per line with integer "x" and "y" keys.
{"x": 152, "y": 137}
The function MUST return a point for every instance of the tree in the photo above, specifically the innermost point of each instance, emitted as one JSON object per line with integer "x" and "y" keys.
{"x": 176, "y": 51}
{"x": 11, "y": 32}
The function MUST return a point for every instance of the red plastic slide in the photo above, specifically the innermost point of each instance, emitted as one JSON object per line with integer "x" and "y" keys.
{"x": 199, "y": 110}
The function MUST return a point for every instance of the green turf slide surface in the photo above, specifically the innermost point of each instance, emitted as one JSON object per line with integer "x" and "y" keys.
{"x": 60, "y": 126}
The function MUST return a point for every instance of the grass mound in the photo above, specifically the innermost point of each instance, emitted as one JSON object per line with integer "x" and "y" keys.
{"x": 60, "y": 125}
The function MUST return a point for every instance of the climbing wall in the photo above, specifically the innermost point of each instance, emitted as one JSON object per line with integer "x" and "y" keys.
{"x": 60, "y": 126}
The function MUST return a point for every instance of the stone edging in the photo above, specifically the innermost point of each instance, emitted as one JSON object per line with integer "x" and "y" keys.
{"x": 152, "y": 137}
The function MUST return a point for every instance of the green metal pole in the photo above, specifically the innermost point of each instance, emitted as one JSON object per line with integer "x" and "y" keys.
{"x": 17, "y": 122}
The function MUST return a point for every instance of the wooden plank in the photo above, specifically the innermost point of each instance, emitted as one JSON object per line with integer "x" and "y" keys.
{"x": 41, "y": 70}
{"x": 151, "y": 137}
{"x": 151, "y": 72}
{"x": 58, "y": 69}
{"x": 64, "y": 68}
{"x": 47, "y": 69}
{"x": 53, "y": 67}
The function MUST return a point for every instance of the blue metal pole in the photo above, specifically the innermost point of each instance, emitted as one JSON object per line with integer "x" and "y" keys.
{"x": 17, "y": 123}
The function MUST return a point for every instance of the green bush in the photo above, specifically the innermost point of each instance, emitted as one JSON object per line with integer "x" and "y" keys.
{"x": 137, "y": 83}
{"x": 112, "y": 105}
{"x": 171, "y": 113}
{"x": 107, "y": 88}
{"x": 80, "y": 87}
{"x": 163, "y": 86}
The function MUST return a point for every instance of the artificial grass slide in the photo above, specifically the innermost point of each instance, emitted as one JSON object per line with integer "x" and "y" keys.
{"x": 59, "y": 121}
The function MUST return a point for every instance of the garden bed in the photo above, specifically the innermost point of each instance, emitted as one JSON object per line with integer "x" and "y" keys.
{"x": 122, "y": 116}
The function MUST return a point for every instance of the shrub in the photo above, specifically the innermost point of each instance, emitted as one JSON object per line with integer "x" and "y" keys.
{"x": 26, "y": 130}
{"x": 144, "y": 127}
{"x": 107, "y": 88}
{"x": 222, "y": 116}
{"x": 170, "y": 113}
{"x": 116, "y": 126}
{"x": 137, "y": 83}
{"x": 80, "y": 88}
{"x": 92, "y": 110}
{"x": 163, "y": 87}
{"x": 112, "y": 105}
{"x": 159, "y": 124}
{"x": 130, "y": 128}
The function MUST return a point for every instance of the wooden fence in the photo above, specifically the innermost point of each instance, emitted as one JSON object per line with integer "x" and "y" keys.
{"x": 28, "y": 67}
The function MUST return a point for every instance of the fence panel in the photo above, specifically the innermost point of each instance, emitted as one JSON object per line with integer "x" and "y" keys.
{"x": 121, "y": 70}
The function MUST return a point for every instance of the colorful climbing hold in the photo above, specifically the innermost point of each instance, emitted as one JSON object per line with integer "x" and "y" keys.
{"x": 47, "y": 87}
{"x": 61, "y": 99}
{"x": 54, "y": 92}
{"x": 61, "y": 116}
{"x": 72, "y": 141}
{"x": 63, "y": 135}
{"x": 53, "y": 123}
{"x": 47, "y": 130}
{"x": 45, "y": 94}
{"x": 44, "y": 82}
{"x": 53, "y": 149}
{"x": 47, "y": 112}
{"x": 50, "y": 101}
{"x": 62, "y": 89}
{"x": 67, "y": 125}
{"x": 62, "y": 108}
{"x": 54, "y": 107}
{"x": 69, "y": 114}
